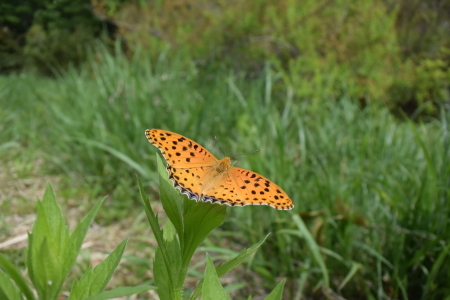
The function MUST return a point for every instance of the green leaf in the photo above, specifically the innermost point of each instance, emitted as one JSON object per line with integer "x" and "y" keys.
{"x": 162, "y": 258}
{"x": 51, "y": 250}
{"x": 313, "y": 247}
{"x": 95, "y": 280}
{"x": 224, "y": 268}
{"x": 162, "y": 277}
{"x": 212, "y": 288}
{"x": 277, "y": 292}
{"x": 170, "y": 198}
{"x": 77, "y": 237}
{"x": 199, "y": 221}
{"x": 121, "y": 291}
{"x": 16, "y": 276}
{"x": 46, "y": 247}
{"x": 49, "y": 267}
{"x": 52, "y": 213}
{"x": 8, "y": 290}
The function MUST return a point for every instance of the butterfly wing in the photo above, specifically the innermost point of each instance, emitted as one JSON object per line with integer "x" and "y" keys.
{"x": 188, "y": 163}
{"x": 240, "y": 187}
{"x": 255, "y": 189}
{"x": 178, "y": 150}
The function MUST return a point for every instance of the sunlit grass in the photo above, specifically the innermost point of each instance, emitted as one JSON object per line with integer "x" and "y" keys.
{"x": 377, "y": 187}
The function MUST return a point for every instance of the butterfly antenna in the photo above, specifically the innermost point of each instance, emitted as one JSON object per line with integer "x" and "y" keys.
{"x": 234, "y": 156}
{"x": 218, "y": 144}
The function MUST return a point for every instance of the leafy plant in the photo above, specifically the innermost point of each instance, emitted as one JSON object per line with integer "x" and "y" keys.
{"x": 188, "y": 225}
{"x": 51, "y": 255}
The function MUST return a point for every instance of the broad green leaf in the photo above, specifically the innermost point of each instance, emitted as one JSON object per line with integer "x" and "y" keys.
{"x": 212, "y": 288}
{"x": 51, "y": 250}
{"x": 48, "y": 272}
{"x": 163, "y": 279}
{"x": 46, "y": 247}
{"x": 121, "y": 291}
{"x": 224, "y": 268}
{"x": 52, "y": 212}
{"x": 199, "y": 221}
{"x": 170, "y": 198}
{"x": 313, "y": 247}
{"x": 173, "y": 248}
{"x": 277, "y": 292}
{"x": 16, "y": 276}
{"x": 95, "y": 280}
{"x": 162, "y": 276}
{"x": 8, "y": 290}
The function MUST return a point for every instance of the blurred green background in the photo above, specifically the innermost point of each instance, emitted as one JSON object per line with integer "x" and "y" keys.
{"x": 348, "y": 102}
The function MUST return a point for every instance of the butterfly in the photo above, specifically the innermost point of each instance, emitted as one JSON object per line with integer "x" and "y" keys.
{"x": 202, "y": 177}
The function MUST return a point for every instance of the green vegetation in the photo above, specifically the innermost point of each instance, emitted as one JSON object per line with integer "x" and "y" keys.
{"x": 52, "y": 252}
{"x": 390, "y": 51}
{"x": 347, "y": 101}
{"x": 371, "y": 191}
{"x": 51, "y": 256}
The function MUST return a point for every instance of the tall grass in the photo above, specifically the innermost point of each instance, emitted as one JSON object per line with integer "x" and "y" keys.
{"x": 373, "y": 190}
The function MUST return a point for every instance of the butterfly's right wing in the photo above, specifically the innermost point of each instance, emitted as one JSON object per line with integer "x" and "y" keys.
{"x": 188, "y": 163}
{"x": 179, "y": 151}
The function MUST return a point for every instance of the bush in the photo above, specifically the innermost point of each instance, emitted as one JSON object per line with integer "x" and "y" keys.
{"x": 46, "y": 35}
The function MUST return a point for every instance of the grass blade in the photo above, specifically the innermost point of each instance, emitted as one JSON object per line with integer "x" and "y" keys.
{"x": 313, "y": 247}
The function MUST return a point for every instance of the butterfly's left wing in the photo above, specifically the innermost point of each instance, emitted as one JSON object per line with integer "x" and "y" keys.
{"x": 240, "y": 187}
{"x": 255, "y": 189}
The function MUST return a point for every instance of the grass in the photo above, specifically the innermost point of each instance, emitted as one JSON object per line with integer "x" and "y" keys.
{"x": 373, "y": 190}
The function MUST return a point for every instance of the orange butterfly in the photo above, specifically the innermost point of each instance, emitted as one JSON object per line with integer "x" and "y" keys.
{"x": 201, "y": 176}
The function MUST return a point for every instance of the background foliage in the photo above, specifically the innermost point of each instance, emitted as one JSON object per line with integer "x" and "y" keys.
{"x": 396, "y": 52}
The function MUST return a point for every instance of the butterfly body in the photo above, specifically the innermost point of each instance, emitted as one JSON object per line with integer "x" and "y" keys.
{"x": 203, "y": 177}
